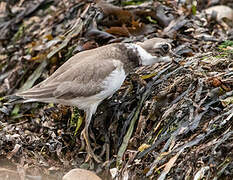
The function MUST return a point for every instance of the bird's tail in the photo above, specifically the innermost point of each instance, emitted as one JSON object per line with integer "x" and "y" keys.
{"x": 14, "y": 99}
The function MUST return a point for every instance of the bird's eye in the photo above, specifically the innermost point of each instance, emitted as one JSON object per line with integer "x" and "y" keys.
{"x": 165, "y": 47}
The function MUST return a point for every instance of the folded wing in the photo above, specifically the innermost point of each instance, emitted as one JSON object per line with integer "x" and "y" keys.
{"x": 81, "y": 80}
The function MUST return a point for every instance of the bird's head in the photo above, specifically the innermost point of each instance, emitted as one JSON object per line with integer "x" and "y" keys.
{"x": 154, "y": 50}
{"x": 157, "y": 46}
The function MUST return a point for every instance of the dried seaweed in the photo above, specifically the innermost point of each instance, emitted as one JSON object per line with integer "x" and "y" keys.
{"x": 168, "y": 121}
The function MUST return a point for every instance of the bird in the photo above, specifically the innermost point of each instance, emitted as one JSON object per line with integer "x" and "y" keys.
{"x": 91, "y": 76}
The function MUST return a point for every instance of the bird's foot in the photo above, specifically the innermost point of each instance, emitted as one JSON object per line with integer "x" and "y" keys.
{"x": 90, "y": 155}
{"x": 90, "y": 152}
{"x": 105, "y": 151}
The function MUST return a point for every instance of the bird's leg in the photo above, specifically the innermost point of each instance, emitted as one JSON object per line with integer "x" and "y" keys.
{"x": 86, "y": 137}
{"x": 106, "y": 147}
{"x": 107, "y": 144}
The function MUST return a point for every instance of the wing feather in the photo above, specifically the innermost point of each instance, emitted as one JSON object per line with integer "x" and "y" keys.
{"x": 81, "y": 80}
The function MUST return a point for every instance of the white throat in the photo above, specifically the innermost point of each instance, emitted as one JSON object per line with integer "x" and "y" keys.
{"x": 146, "y": 58}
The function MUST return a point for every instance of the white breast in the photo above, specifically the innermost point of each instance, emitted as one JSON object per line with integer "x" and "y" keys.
{"x": 114, "y": 81}
{"x": 110, "y": 85}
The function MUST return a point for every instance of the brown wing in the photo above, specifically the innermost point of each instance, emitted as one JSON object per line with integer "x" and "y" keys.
{"x": 81, "y": 80}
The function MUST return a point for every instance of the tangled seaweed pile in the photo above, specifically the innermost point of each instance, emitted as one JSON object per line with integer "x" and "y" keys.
{"x": 170, "y": 120}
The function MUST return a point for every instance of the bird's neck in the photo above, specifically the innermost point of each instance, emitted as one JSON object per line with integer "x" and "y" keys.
{"x": 128, "y": 56}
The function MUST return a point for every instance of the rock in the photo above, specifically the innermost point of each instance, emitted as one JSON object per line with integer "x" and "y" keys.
{"x": 80, "y": 174}
{"x": 222, "y": 12}
{"x": 6, "y": 174}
